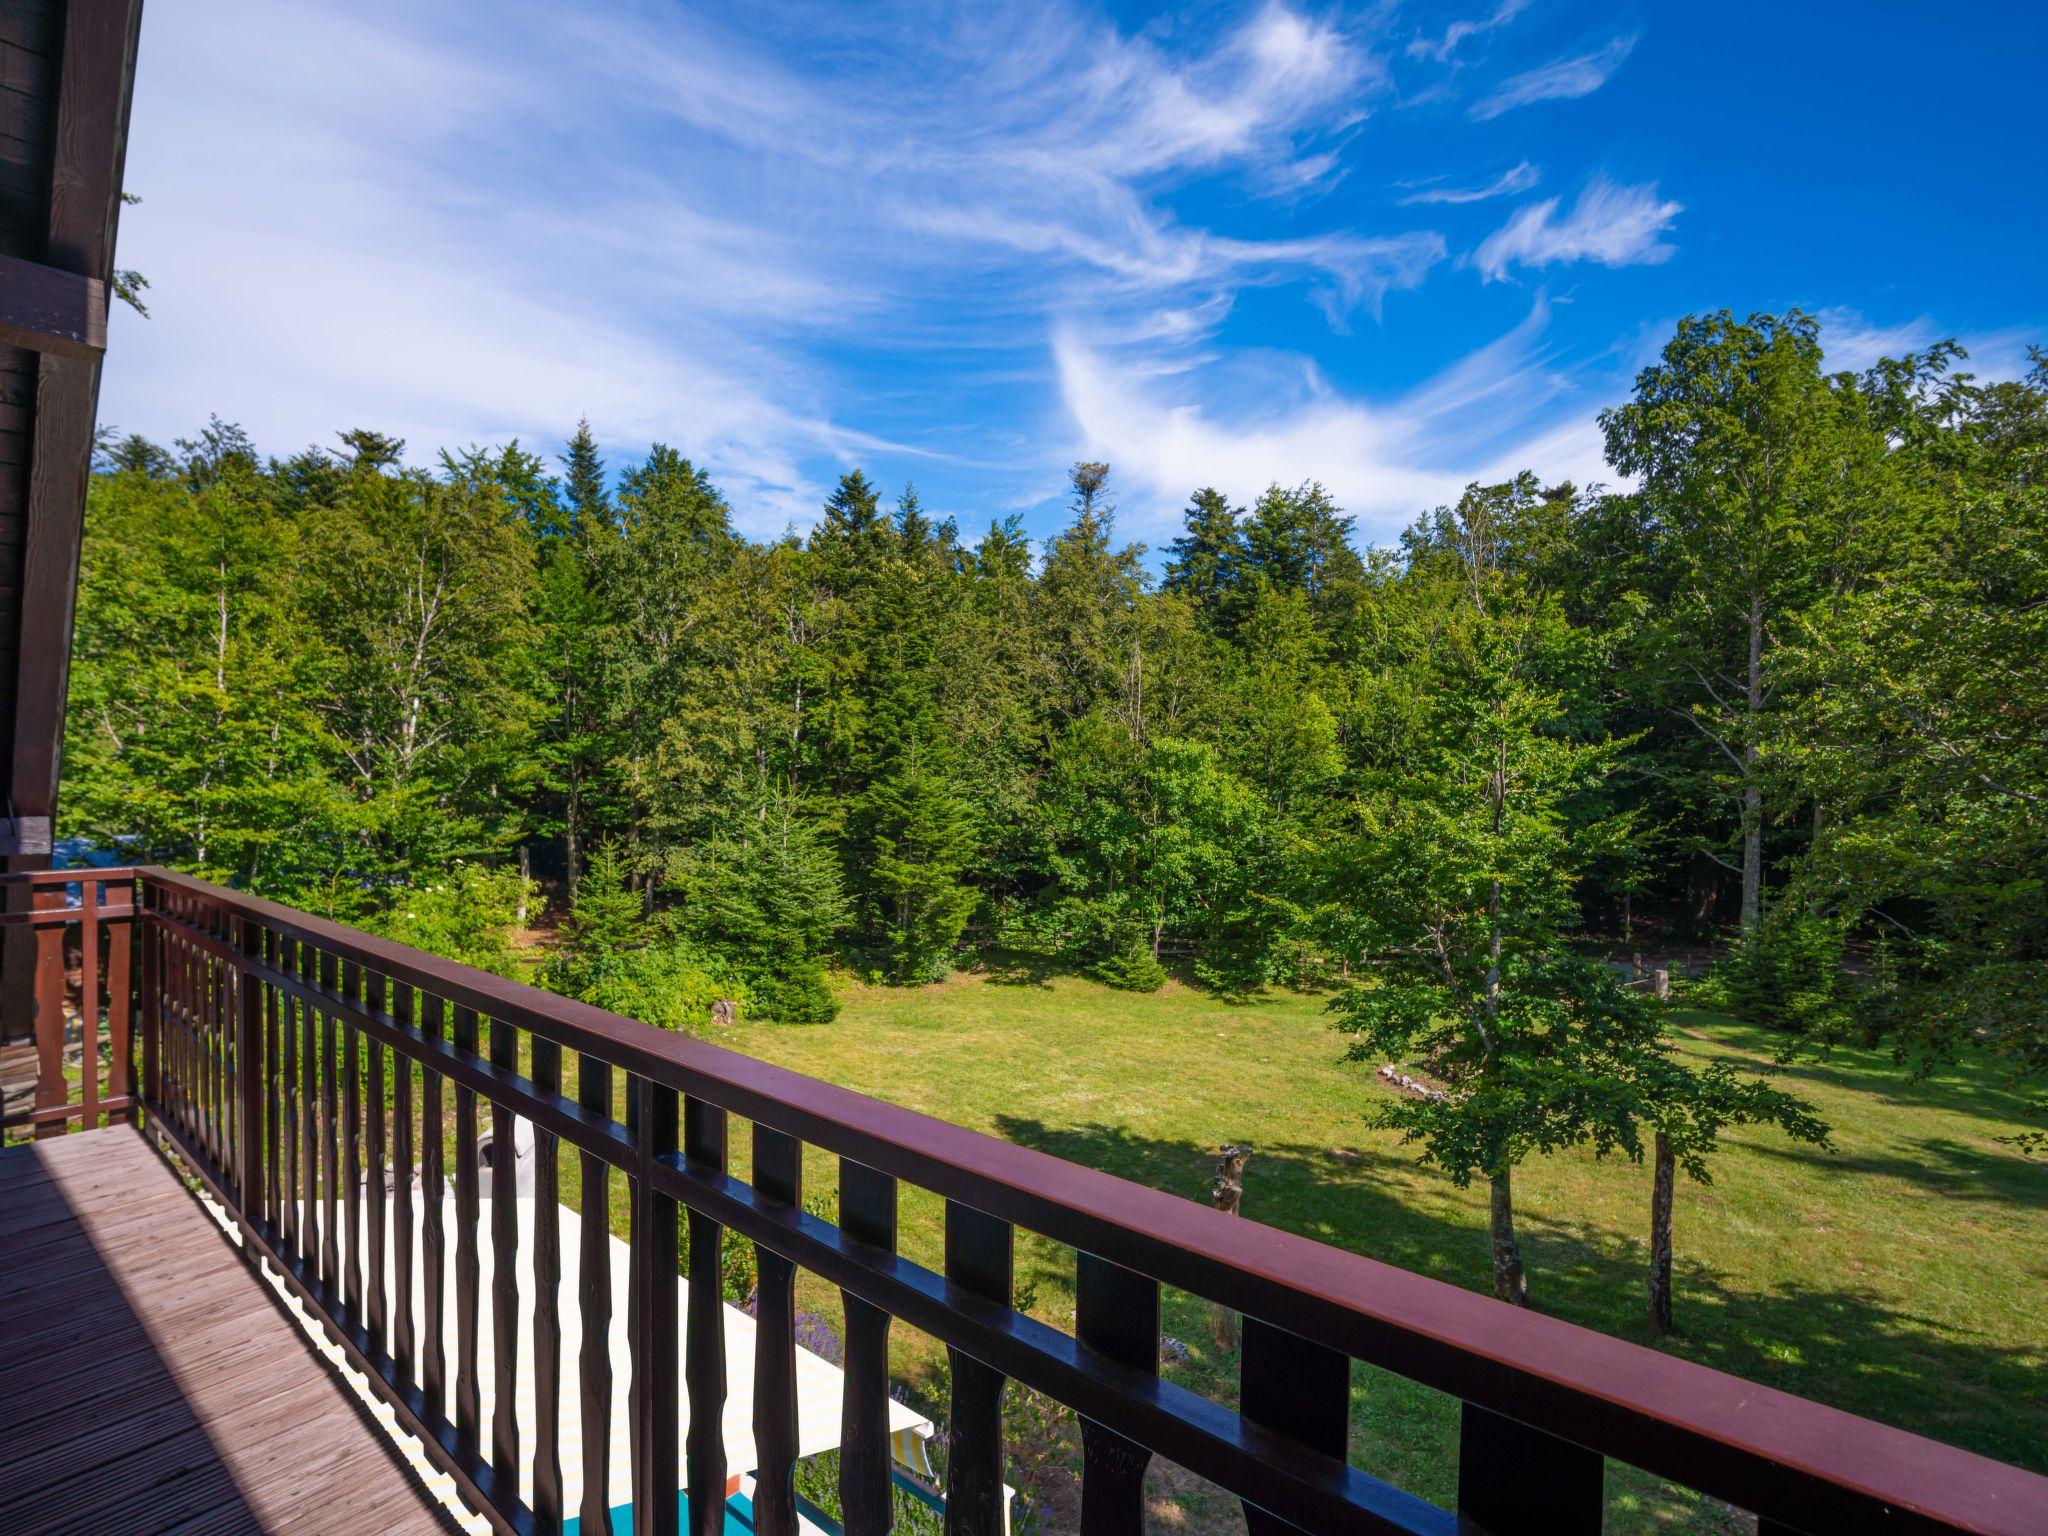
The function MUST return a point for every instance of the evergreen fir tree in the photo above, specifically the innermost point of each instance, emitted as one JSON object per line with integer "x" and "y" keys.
{"x": 1208, "y": 561}
{"x": 583, "y": 484}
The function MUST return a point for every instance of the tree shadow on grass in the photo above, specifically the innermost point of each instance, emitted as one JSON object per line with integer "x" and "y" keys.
{"x": 1970, "y": 1088}
{"x": 1940, "y": 1165}
{"x": 1019, "y": 968}
{"x": 1842, "y": 1344}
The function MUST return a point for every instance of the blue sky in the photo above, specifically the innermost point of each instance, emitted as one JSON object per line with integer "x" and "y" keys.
{"x": 1394, "y": 247}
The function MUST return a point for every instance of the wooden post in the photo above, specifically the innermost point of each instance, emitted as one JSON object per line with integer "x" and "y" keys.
{"x": 249, "y": 1072}
{"x": 1226, "y": 1193}
{"x": 1663, "y": 984}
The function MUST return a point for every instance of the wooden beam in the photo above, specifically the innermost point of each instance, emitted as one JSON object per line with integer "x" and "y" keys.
{"x": 24, "y": 835}
{"x": 95, "y": 83}
{"x": 49, "y": 310}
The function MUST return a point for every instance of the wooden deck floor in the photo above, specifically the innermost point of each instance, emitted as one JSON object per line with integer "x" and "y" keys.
{"x": 149, "y": 1380}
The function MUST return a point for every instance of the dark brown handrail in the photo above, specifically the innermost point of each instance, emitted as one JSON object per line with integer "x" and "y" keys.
{"x": 1545, "y": 1400}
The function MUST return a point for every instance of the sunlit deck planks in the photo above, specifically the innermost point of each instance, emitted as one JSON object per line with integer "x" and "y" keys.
{"x": 149, "y": 1380}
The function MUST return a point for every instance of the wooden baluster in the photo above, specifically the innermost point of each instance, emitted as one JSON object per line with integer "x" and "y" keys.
{"x": 778, "y": 1176}
{"x": 277, "y": 1193}
{"x": 352, "y": 1148}
{"x": 330, "y": 1131}
{"x": 191, "y": 1097}
{"x": 653, "y": 1340}
{"x": 89, "y": 1004}
{"x": 980, "y": 1258}
{"x": 1518, "y": 1481}
{"x": 290, "y": 1222}
{"x": 220, "y": 1097}
{"x": 867, "y": 1213}
{"x": 121, "y": 944}
{"x": 504, "y": 1266}
{"x": 188, "y": 1076}
{"x": 404, "y": 1338}
{"x": 433, "y": 1196}
{"x": 227, "y": 1070}
{"x": 52, "y": 1094}
{"x": 198, "y": 1074}
{"x": 594, "y": 1301}
{"x": 207, "y": 996}
{"x": 468, "y": 1401}
{"x": 373, "y": 1247}
{"x": 1297, "y": 1388}
{"x": 547, "y": 1301}
{"x": 705, "y": 1144}
{"x": 249, "y": 1071}
{"x": 312, "y": 1232}
{"x": 1116, "y": 1314}
{"x": 150, "y": 937}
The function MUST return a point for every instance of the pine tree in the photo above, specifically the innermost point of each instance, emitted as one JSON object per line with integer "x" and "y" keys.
{"x": 583, "y": 485}
{"x": 1208, "y": 561}
{"x": 923, "y": 838}
{"x": 912, "y": 526}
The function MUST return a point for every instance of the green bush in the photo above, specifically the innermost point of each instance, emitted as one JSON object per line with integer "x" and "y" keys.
{"x": 1786, "y": 974}
{"x": 796, "y": 993}
{"x": 1133, "y": 970}
{"x": 666, "y": 984}
{"x": 466, "y": 915}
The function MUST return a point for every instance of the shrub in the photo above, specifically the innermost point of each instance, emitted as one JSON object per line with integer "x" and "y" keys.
{"x": 1786, "y": 974}
{"x": 466, "y": 916}
{"x": 1132, "y": 969}
{"x": 666, "y": 983}
{"x": 796, "y": 993}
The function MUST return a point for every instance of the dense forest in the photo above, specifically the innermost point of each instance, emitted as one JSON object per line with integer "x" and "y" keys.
{"x": 1785, "y": 699}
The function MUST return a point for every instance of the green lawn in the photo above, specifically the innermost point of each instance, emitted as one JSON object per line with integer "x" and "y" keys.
{"x": 1899, "y": 1276}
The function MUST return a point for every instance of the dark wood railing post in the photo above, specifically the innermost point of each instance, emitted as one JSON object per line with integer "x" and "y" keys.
{"x": 654, "y": 1402}
{"x": 1299, "y": 1388}
{"x": 1116, "y": 1314}
{"x": 594, "y": 1299}
{"x": 867, "y": 1214}
{"x": 1518, "y": 1481}
{"x": 980, "y": 1259}
{"x": 249, "y": 1070}
{"x": 89, "y": 1003}
{"x": 51, "y": 1094}
{"x": 779, "y": 1176}
{"x": 151, "y": 1018}
{"x": 504, "y": 1266}
{"x": 547, "y": 1302}
{"x": 705, "y": 1145}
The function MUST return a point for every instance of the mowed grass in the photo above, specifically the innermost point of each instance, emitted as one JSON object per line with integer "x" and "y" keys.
{"x": 1899, "y": 1276}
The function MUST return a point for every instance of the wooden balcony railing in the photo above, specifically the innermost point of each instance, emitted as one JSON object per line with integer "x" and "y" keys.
{"x": 292, "y": 1061}
{"x": 83, "y": 999}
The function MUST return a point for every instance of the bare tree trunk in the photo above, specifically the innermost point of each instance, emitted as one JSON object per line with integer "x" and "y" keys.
{"x": 1510, "y": 1279}
{"x": 525, "y": 882}
{"x": 1752, "y": 787}
{"x": 1226, "y": 1193}
{"x": 1660, "y": 1236}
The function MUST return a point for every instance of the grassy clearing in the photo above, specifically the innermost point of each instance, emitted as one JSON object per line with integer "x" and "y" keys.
{"x": 1898, "y": 1276}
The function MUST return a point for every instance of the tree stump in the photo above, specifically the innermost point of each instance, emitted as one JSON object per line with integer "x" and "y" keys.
{"x": 725, "y": 1012}
{"x": 1226, "y": 1193}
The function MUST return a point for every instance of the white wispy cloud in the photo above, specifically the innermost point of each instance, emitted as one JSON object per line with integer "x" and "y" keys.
{"x": 1488, "y": 415}
{"x": 799, "y": 236}
{"x": 1616, "y": 226}
{"x": 1559, "y": 80}
{"x": 1441, "y": 48}
{"x": 1518, "y": 179}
